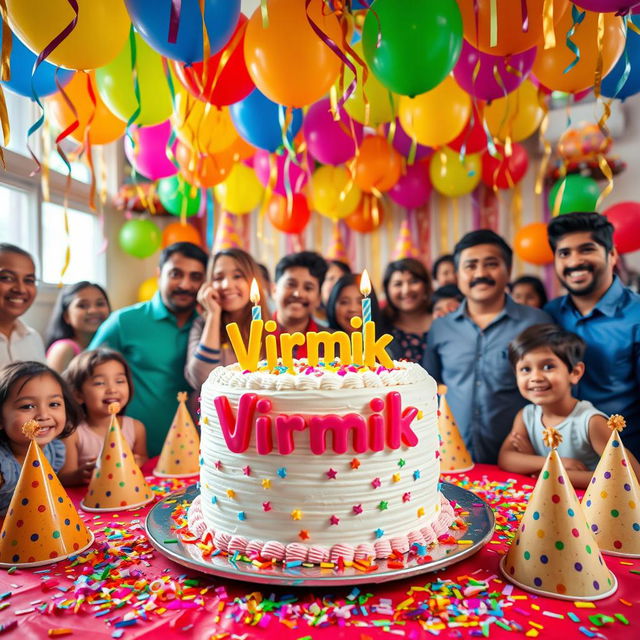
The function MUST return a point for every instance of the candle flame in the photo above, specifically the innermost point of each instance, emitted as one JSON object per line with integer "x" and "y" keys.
{"x": 365, "y": 284}
{"x": 254, "y": 294}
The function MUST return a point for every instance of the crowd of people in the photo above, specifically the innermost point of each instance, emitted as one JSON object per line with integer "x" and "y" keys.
{"x": 513, "y": 362}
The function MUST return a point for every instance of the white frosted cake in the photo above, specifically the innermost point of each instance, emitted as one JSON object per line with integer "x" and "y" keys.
{"x": 323, "y": 463}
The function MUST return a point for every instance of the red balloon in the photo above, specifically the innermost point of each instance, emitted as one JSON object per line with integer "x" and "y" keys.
{"x": 625, "y": 217}
{"x": 293, "y": 221}
{"x": 504, "y": 172}
{"x": 473, "y": 135}
{"x": 368, "y": 215}
{"x": 224, "y": 87}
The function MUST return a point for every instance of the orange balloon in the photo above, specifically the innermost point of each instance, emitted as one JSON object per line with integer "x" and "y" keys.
{"x": 531, "y": 244}
{"x": 105, "y": 127}
{"x": 240, "y": 150}
{"x": 203, "y": 170}
{"x": 178, "y": 232}
{"x": 550, "y": 64}
{"x": 378, "y": 165}
{"x": 290, "y": 219}
{"x": 510, "y": 36}
{"x": 287, "y": 60}
{"x": 368, "y": 215}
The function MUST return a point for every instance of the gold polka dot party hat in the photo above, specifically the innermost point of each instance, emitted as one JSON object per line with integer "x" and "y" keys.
{"x": 454, "y": 455}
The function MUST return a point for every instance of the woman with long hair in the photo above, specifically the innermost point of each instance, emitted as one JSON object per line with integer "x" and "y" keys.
{"x": 345, "y": 302}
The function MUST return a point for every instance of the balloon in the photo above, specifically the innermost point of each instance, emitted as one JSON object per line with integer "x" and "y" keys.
{"x": 202, "y": 170}
{"x": 152, "y": 19}
{"x": 580, "y": 194}
{"x": 117, "y": 89}
{"x": 488, "y": 77}
{"x": 511, "y": 34}
{"x": 292, "y": 220}
{"x": 148, "y": 288}
{"x": 21, "y": 63}
{"x": 378, "y": 165}
{"x": 413, "y": 49}
{"x": 473, "y": 137}
{"x": 105, "y": 127}
{"x": 99, "y": 34}
{"x": 550, "y": 66}
{"x": 221, "y": 84}
{"x": 503, "y": 172}
{"x": 517, "y": 115}
{"x": 177, "y": 195}
{"x": 280, "y": 166}
{"x": 149, "y": 158}
{"x": 606, "y": 6}
{"x": 402, "y": 143}
{"x": 450, "y": 176}
{"x": 257, "y": 120}
{"x": 380, "y": 100}
{"x": 439, "y": 115}
{"x": 531, "y": 244}
{"x": 625, "y": 217}
{"x": 632, "y": 56}
{"x": 287, "y": 60}
{"x": 240, "y": 150}
{"x": 368, "y": 215}
{"x": 139, "y": 238}
{"x": 330, "y": 141}
{"x": 583, "y": 142}
{"x": 413, "y": 188}
{"x": 180, "y": 232}
{"x": 241, "y": 192}
{"x": 205, "y": 128}
{"x": 333, "y": 192}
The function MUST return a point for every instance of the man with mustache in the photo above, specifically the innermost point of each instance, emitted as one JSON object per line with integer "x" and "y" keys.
{"x": 604, "y": 313}
{"x": 153, "y": 337}
{"x": 468, "y": 349}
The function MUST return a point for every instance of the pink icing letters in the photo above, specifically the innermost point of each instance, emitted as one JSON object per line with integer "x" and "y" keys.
{"x": 399, "y": 422}
{"x": 285, "y": 426}
{"x": 340, "y": 427}
{"x": 236, "y": 431}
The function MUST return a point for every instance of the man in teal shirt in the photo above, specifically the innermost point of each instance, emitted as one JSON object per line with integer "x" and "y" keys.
{"x": 153, "y": 337}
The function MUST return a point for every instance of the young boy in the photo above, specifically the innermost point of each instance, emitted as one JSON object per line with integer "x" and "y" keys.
{"x": 547, "y": 361}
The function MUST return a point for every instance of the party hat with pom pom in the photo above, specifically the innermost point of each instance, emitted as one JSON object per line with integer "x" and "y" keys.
{"x": 337, "y": 250}
{"x": 454, "y": 455}
{"x": 611, "y": 502}
{"x": 42, "y": 525}
{"x": 554, "y": 552}
{"x": 180, "y": 453}
{"x": 117, "y": 483}
{"x": 227, "y": 236}
{"x": 405, "y": 246}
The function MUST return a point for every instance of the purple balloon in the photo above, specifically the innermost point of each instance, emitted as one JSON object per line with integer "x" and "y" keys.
{"x": 149, "y": 158}
{"x": 263, "y": 162}
{"x": 328, "y": 141}
{"x": 414, "y": 187}
{"x": 512, "y": 70}
{"x": 402, "y": 143}
{"x": 606, "y": 6}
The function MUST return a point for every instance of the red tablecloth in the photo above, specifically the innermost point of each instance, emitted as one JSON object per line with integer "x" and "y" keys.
{"x": 206, "y": 609}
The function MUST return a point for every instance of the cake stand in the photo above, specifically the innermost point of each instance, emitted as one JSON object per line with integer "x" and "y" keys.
{"x": 479, "y": 520}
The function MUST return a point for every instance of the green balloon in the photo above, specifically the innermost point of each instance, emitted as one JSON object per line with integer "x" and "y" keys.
{"x": 420, "y": 43}
{"x": 140, "y": 238}
{"x": 175, "y": 194}
{"x": 580, "y": 194}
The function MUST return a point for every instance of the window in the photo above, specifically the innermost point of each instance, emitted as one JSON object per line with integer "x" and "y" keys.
{"x": 17, "y": 218}
{"x": 21, "y": 117}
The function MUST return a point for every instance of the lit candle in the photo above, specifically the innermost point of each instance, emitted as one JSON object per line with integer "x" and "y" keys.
{"x": 365, "y": 290}
{"x": 254, "y": 295}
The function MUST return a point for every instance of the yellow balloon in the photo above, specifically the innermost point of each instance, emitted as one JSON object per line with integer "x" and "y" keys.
{"x": 100, "y": 33}
{"x": 241, "y": 192}
{"x": 437, "y": 116}
{"x": 327, "y": 185}
{"x": 381, "y": 100}
{"x": 518, "y": 114}
{"x": 202, "y": 126}
{"x": 147, "y": 289}
{"x": 453, "y": 178}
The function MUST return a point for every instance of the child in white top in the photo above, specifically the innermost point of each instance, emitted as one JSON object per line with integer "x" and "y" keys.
{"x": 547, "y": 362}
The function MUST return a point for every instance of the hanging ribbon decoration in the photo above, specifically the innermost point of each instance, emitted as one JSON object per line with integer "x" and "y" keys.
{"x": 46, "y": 148}
{"x": 516, "y": 215}
{"x": 87, "y": 145}
{"x": 265, "y": 14}
{"x": 577, "y": 17}
{"x": 174, "y": 21}
{"x": 547, "y": 25}
{"x": 546, "y": 156}
{"x": 168, "y": 150}
{"x": 5, "y": 75}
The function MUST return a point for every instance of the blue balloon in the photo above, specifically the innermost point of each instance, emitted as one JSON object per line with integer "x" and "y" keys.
{"x": 256, "y": 119}
{"x": 152, "y": 19}
{"x": 21, "y": 62}
{"x": 630, "y": 54}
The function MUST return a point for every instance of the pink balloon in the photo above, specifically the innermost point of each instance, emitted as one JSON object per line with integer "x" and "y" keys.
{"x": 402, "y": 143}
{"x": 149, "y": 158}
{"x": 414, "y": 187}
{"x": 328, "y": 141}
{"x": 264, "y": 163}
{"x": 607, "y": 6}
{"x": 481, "y": 83}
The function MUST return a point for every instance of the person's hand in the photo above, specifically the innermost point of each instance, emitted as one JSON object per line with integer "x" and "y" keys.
{"x": 573, "y": 464}
{"x": 209, "y": 300}
{"x": 445, "y": 307}
{"x": 517, "y": 442}
{"x": 85, "y": 471}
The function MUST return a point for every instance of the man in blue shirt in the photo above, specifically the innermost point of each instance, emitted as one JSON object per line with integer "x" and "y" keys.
{"x": 604, "y": 313}
{"x": 467, "y": 349}
{"x": 153, "y": 337}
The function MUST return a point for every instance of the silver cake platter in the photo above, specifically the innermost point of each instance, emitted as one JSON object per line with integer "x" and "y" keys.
{"x": 479, "y": 520}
